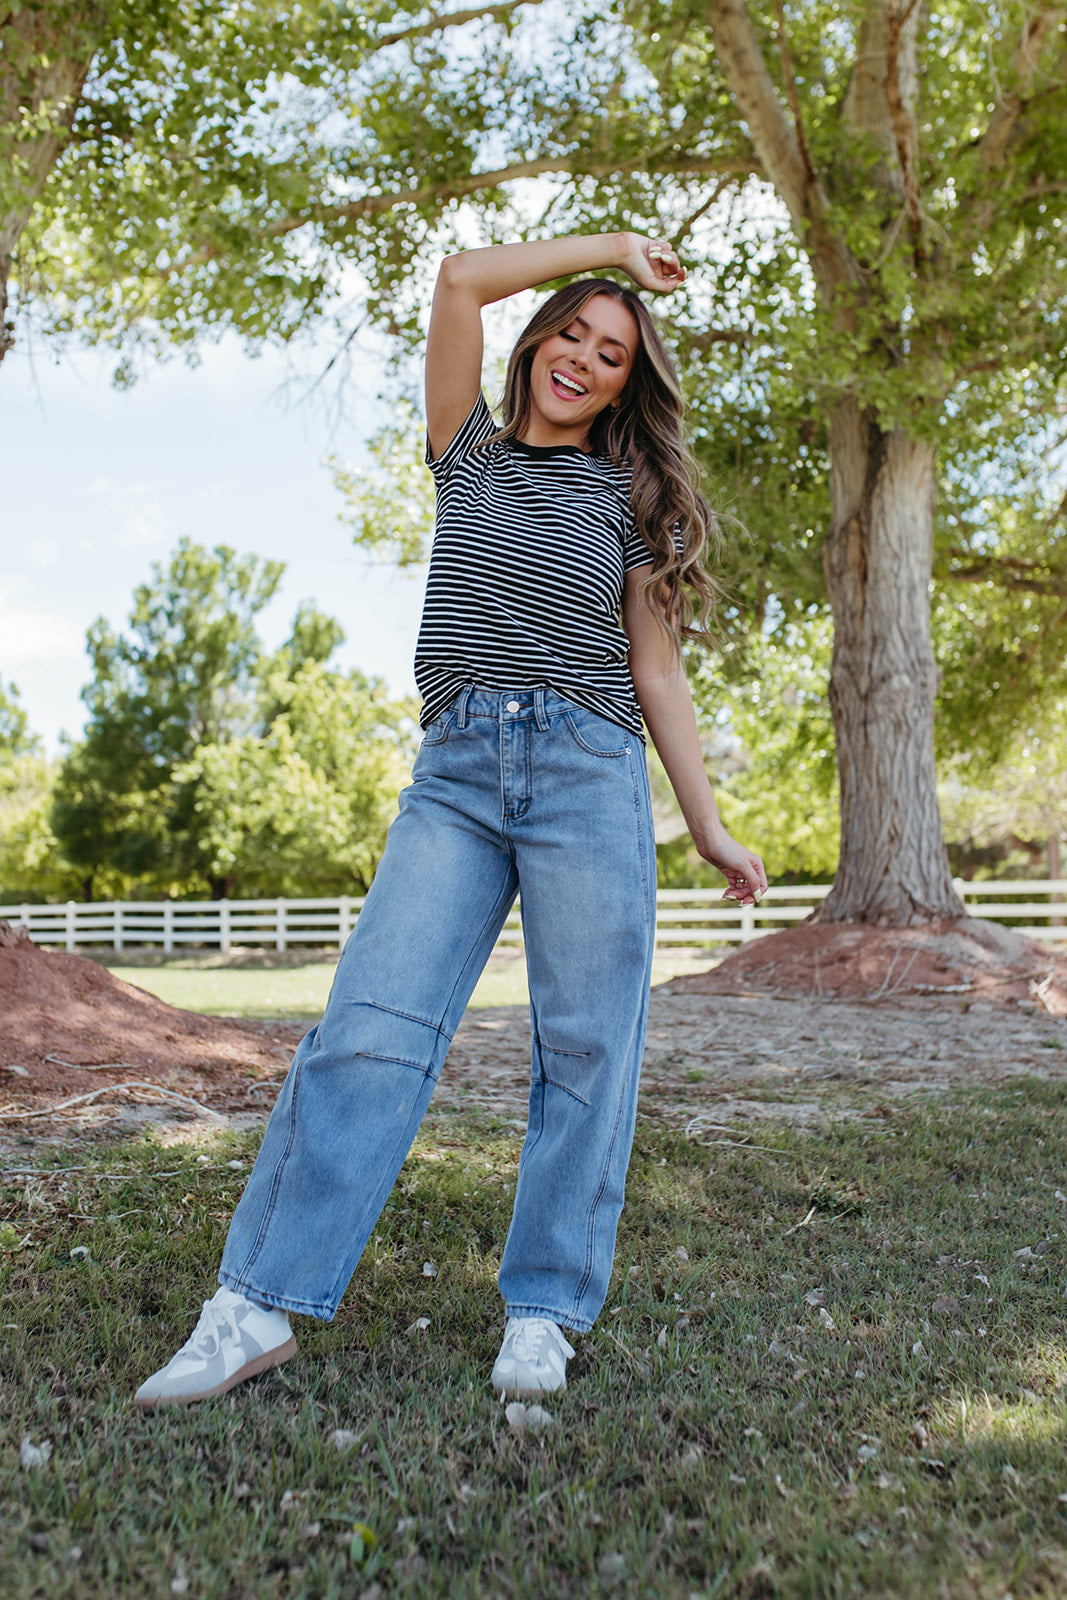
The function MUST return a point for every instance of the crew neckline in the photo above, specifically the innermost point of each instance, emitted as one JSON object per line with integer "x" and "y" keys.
{"x": 545, "y": 450}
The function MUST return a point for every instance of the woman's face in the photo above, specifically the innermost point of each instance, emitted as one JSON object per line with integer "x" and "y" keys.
{"x": 576, "y": 373}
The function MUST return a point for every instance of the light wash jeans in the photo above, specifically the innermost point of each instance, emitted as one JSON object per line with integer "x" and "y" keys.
{"x": 526, "y": 792}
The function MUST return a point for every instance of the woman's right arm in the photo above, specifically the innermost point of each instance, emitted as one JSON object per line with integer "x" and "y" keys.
{"x": 477, "y": 278}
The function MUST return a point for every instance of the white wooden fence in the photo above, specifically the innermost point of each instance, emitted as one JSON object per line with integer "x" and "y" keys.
{"x": 687, "y": 918}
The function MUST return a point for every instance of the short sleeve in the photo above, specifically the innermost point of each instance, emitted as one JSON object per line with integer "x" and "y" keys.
{"x": 478, "y": 426}
{"x": 635, "y": 552}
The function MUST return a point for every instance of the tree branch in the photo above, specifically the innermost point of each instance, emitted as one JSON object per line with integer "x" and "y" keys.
{"x": 451, "y": 19}
{"x": 374, "y": 204}
{"x": 1007, "y": 572}
{"x": 901, "y": 90}
{"x": 993, "y": 145}
{"x": 746, "y": 73}
{"x": 791, "y": 93}
{"x": 776, "y": 145}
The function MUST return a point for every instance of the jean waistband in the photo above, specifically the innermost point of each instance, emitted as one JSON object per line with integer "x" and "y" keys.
{"x": 510, "y": 705}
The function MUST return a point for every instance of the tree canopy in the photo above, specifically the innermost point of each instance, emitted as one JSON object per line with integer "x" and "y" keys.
{"x": 208, "y": 762}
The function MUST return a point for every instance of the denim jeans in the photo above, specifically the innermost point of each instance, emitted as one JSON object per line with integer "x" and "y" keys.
{"x": 511, "y": 792}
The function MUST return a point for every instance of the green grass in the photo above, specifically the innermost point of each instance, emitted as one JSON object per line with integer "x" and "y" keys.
{"x": 719, "y": 1436}
{"x": 263, "y": 986}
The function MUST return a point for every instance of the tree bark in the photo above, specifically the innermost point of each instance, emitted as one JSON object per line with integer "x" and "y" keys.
{"x": 45, "y": 56}
{"x": 877, "y": 559}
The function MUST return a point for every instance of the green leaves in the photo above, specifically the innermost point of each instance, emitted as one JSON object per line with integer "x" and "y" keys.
{"x": 207, "y": 764}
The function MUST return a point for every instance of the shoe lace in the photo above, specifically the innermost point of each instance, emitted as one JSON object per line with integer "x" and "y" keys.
{"x": 207, "y": 1336}
{"x": 531, "y": 1336}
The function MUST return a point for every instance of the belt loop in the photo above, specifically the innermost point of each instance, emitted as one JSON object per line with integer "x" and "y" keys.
{"x": 461, "y": 705}
{"x": 539, "y": 708}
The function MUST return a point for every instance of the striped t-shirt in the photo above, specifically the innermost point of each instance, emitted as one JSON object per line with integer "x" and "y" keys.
{"x": 526, "y": 574}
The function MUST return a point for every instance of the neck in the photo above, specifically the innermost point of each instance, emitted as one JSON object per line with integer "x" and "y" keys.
{"x": 543, "y": 434}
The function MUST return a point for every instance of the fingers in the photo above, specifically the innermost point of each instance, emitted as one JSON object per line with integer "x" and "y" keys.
{"x": 746, "y": 883}
{"x": 665, "y": 264}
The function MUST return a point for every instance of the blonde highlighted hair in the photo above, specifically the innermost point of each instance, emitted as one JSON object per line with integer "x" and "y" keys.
{"x": 644, "y": 432}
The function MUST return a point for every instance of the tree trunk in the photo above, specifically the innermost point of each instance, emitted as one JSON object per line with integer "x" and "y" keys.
{"x": 45, "y": 55}
{"x": 894, "y": 869}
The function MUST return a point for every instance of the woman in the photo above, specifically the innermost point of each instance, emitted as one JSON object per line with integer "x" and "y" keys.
{"x": 577, "y": 516}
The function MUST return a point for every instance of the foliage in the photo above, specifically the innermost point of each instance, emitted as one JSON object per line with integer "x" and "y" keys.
{"x": 15, "y": 736}
{"x": 32, "y": 865}
{"x": 207, "y": 763}
{"x": 779, "y": 789}
{"x": 1019, "y": 803}
{"x": 303, "y": 808}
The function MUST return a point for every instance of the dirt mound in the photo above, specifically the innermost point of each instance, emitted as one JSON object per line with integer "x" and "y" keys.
{"x": 850, "y": 961}
{"x": 67, "y": 1026}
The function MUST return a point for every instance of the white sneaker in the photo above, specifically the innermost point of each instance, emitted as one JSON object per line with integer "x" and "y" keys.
{"x": 233, "y": 1340}
{"x": 532, "y": 1359}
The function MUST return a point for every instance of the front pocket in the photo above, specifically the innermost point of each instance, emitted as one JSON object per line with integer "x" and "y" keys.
{"x": 439, "y": 729}
{"x": 596, "y": 735}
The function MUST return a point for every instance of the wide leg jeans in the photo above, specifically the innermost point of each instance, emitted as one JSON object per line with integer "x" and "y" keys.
{"x": 521, "y": 792}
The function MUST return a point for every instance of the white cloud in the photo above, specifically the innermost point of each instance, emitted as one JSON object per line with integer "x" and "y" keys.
{"x": 27, "y": 636}
{"x": 42, "y": 552}
{"x": 133, "y": 517}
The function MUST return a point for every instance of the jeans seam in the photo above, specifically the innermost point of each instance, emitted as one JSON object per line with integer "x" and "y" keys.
{"x": 408, "y": 1016}
{"x": 562, "y": 1087}
{"x": 590, "y": 1232}
{"x": 283, "y": 1160}
{"x": 609, "y": 755}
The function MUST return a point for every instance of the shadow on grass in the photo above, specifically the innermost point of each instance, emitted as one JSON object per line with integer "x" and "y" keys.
{"x": 830, "y": 1367}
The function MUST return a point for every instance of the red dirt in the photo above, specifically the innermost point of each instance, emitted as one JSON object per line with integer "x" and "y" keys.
{"x": 61, "y": 1013}
{"x": 851, "y": 961}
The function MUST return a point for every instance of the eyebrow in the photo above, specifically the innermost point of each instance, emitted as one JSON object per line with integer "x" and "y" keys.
{"x": 607, "y": 339}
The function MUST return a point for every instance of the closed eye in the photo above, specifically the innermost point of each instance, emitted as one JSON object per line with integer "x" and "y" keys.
{"x": 572, "y": 338}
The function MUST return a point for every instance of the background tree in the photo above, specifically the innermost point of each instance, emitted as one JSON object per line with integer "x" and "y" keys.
{"x": 303, "y": 808}
{"x": 1021, "y": 803}
{"x": 207, "y": 762}
{"x": 184, "y": 675}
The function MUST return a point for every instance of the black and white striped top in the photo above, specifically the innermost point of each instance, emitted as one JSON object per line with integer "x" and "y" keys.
{"x": 526, "y": 574}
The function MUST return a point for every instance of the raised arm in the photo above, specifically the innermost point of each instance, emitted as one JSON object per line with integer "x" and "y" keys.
{"x": 663, "y": 694}
{"x": 476, "y": 278}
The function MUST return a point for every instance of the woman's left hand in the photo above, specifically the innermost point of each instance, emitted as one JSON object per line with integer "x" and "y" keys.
{"x": 745, "y": 877}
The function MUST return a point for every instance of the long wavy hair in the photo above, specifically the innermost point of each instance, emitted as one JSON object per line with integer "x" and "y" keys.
{"x": 644, "y": 432}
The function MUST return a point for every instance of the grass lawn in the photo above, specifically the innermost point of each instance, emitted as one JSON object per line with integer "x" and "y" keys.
{"x": 262, "y": 985}
{"x": 831, "y": 1365}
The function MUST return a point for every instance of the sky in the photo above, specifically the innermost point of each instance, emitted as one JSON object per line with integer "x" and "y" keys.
{"x": 99, "y": 484}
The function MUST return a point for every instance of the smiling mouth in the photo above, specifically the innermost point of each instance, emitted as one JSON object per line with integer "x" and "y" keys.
{"x": 570, "y": 386}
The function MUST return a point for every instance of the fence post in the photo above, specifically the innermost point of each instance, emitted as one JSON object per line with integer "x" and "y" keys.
{"x": 344, "y": 920}
{"x": 960, "y": 886}
{"x": 279, "y": 937}
{"x": 70, "y": 927}
{"x": 117, "y": 924}
{"x": 224, "y": 925}
{"x": 24, "y": 917}
{"x": 168, "y": 927}
{"x": 748, "y": 923}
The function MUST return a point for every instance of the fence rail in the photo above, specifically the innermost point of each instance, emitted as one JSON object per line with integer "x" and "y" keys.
{"x": 686, "y": 918}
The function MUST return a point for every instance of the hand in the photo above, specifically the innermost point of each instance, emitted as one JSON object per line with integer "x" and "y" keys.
{"x": 745, "y": 878}
{"x": 653, "y": 264}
